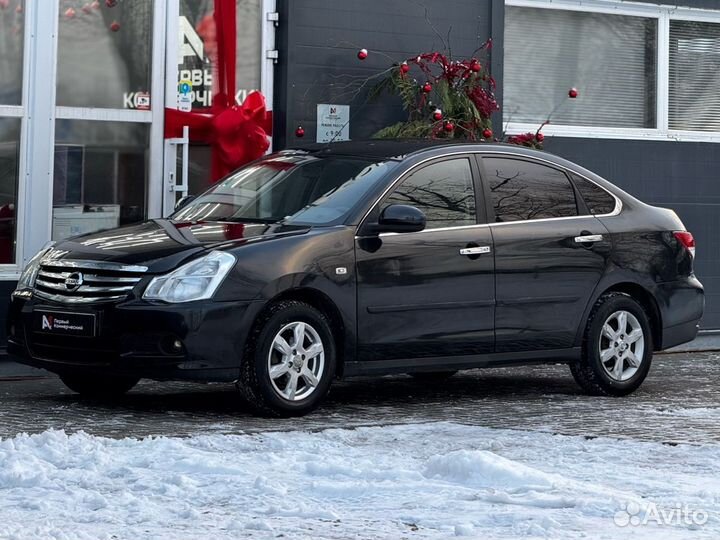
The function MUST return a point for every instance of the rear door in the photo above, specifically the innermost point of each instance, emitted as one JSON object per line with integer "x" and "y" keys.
{"x": 423, "y": 294}
{"x": 550, "y": 253}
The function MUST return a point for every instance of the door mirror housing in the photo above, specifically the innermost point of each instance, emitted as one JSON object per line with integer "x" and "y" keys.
{"x": 184, "y": 201}
{"x": 401, "y": 218}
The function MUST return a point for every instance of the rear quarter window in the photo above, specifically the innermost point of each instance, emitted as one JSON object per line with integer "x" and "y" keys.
{"x": 596, "y": 198}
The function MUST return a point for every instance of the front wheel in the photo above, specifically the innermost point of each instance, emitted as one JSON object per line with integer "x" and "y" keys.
{"x": 617, "y": 349}
{"x": 290, "y": 360}
{"x": 99, "y": 387}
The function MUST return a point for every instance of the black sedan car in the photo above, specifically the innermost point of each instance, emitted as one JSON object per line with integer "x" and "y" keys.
{"x": 367, "y": 258}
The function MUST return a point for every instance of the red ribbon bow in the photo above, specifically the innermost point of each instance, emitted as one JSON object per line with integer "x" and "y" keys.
{"x": 238, "y": 134}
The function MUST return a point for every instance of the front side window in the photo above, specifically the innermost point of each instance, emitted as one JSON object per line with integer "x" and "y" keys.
{"x": 611, "y": 58}
{"x": 522, "y": 190}
{"x": 294, "y": 190}
{"x": 443, "y": 191}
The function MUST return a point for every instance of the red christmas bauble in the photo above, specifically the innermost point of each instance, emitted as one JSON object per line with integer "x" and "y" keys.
{"x": 69, "y": 13}
{"x": 476, "y": 67}
{"x": 427, "y": 88}
{"x": 404, "y": 67}
{"x": 573, "y": 93}
{"x": 362, "y": 54}
{"x": 437, "y": 115}
{"x": 115, "y": 26}
{"x": 449, "y": 126}
{"x": 487, "y": 133}
{"x": 540, "y": 137}
{"x": 111, "y": 3}
{"x": 300, "y": 132}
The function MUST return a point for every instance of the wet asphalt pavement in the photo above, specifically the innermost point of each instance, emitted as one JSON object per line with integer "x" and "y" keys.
{"x": 679, "y": 402}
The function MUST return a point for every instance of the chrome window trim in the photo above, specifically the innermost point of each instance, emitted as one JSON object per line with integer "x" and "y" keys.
{"x": 92, "y": 265}
{"x": 459, "y": 151}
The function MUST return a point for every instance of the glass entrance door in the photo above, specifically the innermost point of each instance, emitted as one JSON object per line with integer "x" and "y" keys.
{"x": 192, "y": 67}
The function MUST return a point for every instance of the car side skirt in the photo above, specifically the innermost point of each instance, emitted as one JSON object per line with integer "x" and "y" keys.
{"x": 449, "y": 363}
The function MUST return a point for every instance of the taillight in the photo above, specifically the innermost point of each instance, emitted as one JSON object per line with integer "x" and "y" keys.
{"x": 687, "y": 240}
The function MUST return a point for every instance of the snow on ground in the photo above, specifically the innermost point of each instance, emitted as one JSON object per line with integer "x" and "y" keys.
{"x": 436, "y": 480}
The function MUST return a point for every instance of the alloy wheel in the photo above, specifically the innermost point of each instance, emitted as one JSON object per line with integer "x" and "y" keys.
{"x": 621, "y": 345}
{"x": 296, "y": 361}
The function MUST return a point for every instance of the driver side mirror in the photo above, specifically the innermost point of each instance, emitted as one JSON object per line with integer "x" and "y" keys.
{"x": 401, "y": 218}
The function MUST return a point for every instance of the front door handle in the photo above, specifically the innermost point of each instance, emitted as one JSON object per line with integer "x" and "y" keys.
{"x": 589, "y": 238}
{"x": 479, "y": 250}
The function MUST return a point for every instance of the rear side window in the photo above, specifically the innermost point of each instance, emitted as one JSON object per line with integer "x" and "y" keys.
{"x": 522, "y": 190}
{"x": 596, "y": 198}
{"x": 443, "y": 191}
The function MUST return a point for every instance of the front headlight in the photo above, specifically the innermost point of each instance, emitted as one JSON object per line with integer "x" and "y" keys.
{"x": 196, "y": 280}
{"x": 29, "y": 274}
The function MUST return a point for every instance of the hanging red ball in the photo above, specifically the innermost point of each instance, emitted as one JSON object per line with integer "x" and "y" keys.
{"x": 115, "y": 26}
{"x": 573, "y": 93}
{"x": 449, "y": 126}
{"x": 111, "y": 3}
{"x": 437, "y": 115}
{"x": 404, "y": 67}
{"x": 476, "y": 67}
{"x": 540, "y": 137}
{"x": 69, "y": 13}
{"x": 300, "y": 132}
{"x": 362, "y": 54}
{"x": 487, "y": 133}
{"x": 427, "y": 88}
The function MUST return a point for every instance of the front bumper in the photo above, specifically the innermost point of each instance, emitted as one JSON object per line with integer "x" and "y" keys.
{"x": 137, "y": 338}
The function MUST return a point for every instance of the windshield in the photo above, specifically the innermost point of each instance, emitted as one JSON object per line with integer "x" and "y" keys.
{"x": 295, "y": 189}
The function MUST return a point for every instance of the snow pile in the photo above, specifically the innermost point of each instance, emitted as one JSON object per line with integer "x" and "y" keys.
{"x": 409, "y": 481}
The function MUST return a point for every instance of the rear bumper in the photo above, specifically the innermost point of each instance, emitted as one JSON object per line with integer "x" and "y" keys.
{"x": 682, "y": 304}
{"x": 137, "y": 339}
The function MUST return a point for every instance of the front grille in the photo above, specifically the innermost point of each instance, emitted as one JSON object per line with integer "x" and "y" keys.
{"x": 86, "y": 282}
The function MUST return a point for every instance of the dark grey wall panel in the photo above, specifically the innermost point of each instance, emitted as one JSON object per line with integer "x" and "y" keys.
{"x": 319, "y": 40}
{"x": 679, "y": 175}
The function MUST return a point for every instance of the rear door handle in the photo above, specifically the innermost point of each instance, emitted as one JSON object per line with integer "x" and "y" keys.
{"x": 589, "y": 238}
{"x": 479, "y": 250}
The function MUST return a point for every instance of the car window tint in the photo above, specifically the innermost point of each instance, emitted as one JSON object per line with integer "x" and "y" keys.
{"x": 523, "y": 190}
{"x": 597, "y": 199}
{"x": 443, "y": 191}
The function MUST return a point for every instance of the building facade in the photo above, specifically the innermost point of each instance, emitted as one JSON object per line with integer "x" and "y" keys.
{"x": 85, "y": 84}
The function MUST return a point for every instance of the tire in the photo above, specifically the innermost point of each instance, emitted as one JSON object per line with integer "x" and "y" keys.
{"x": 432, "y": 376}
{"x": 99, "y": 387}
{"x": 273, "y": 396}
{"x": 627, "y": 357}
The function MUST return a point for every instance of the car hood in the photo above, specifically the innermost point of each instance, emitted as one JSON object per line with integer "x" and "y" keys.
{"x": 162, "y": 244}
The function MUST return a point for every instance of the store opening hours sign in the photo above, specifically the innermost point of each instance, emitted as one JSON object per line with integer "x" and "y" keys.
{"x": 333, "y": 123}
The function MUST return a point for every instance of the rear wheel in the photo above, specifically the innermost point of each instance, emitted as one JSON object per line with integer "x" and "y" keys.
{"x": 432, "y": 376}
{"x": 99, "y": 387}
{"x": 617, "y": 349}
{"x": 290, "y": 360}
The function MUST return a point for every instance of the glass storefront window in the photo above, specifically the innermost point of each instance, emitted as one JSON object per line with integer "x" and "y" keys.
{"x": 100, "y": 179}
{"x": 12, "y": 23}
{"x": 104, "y": 54}
{"x": 9, "y": 160}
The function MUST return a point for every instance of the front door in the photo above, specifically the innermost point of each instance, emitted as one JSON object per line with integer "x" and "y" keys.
{"x": 423, "y": 294}
{"x": 548, "y": 256}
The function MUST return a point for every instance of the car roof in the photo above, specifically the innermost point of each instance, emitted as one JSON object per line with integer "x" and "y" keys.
{"x": 402, "y": 148}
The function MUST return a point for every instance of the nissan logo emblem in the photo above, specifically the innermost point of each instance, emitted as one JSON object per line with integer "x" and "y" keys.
{"x": 74, "y": 281}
